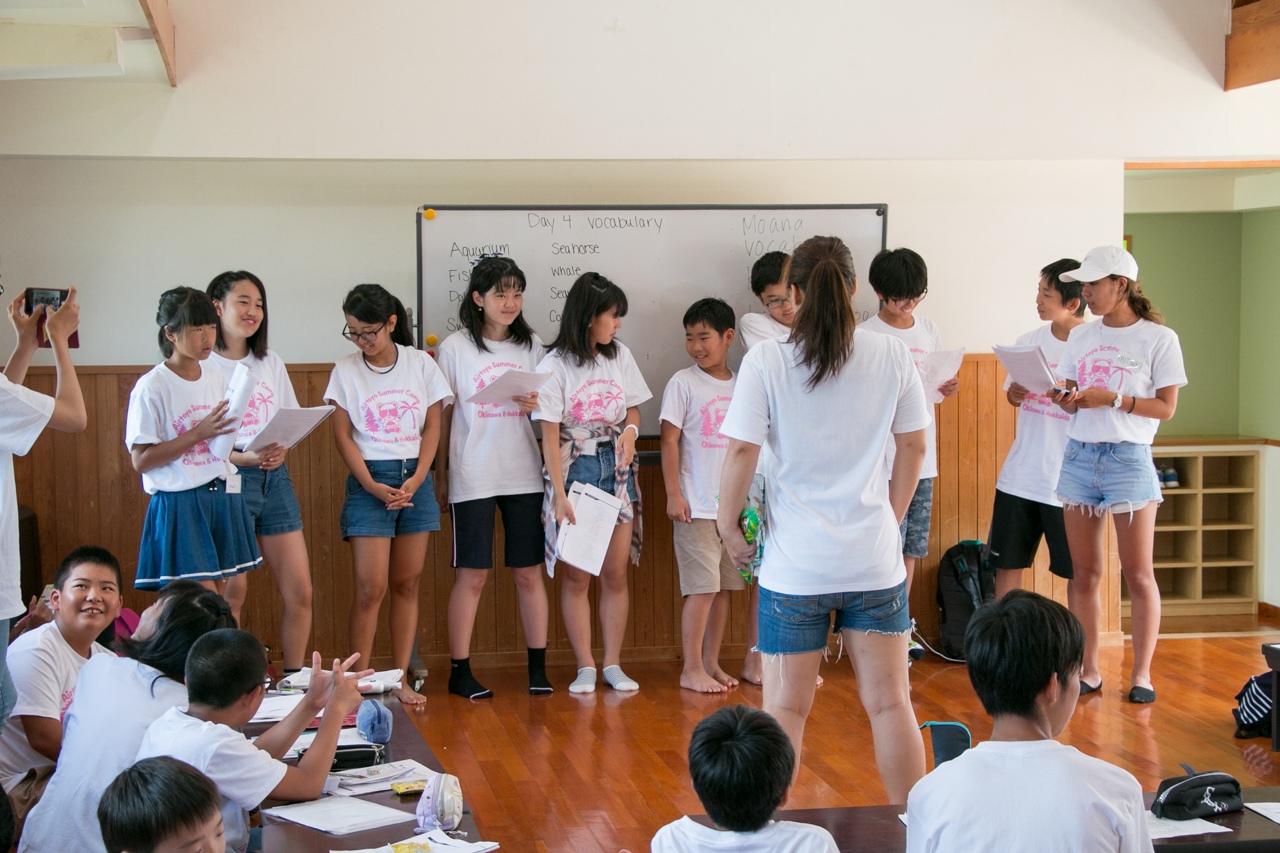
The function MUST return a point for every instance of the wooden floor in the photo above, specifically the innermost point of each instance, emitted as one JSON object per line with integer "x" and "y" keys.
{"x": 605, "y": 771}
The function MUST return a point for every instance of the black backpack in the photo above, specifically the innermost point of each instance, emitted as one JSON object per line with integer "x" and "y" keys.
{"x": 965, "y": 581}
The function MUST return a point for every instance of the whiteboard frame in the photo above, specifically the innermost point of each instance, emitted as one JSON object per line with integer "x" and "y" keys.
{"x": 881, "y": 209}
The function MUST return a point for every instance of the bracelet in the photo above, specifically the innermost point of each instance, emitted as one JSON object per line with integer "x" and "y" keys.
{"x": 630, "y": 426}
{"x": 1133, "y": 405}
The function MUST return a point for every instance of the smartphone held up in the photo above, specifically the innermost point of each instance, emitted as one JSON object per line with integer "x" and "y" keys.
{"x": 52, "y": 300}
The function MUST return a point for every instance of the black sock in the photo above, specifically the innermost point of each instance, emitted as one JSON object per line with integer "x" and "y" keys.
{"x": 288, "y": 672}
{"x": 463, "y": 683}
{"x": 538, "y": 682}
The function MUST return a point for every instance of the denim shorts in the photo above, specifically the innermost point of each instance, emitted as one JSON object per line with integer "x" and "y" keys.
{"x": 365, "y": 515}
{"x": 1108, "y": 476}
{"x": 598, "y": 470}
{"x": 795, "y": 624}
{"x": 269, "y": 497}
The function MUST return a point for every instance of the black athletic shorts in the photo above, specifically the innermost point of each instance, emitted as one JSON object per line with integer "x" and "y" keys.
{"x": 521, "y": 526}
{"x": 1016, "y": 527}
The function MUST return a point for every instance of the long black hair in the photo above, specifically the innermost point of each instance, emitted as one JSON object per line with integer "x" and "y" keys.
{"x": 190, "y": 611}
{"x": 822, "y": 267}
{"x": 374, "y": 304}
{"x": 591, "y": 295}
{"x": 218, "y": 290}
{"x": 182, "y": 307}
{"x": 499, "y": 274}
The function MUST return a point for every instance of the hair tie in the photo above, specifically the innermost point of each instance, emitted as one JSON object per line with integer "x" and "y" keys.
{"x": 477, "y": 259}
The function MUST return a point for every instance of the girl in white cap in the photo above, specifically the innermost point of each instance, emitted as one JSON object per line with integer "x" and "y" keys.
{"x": 1121, "y": 378}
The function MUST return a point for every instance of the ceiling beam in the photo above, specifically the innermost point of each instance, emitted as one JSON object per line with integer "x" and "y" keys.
{"x": 157, "y": 12}
{"x": 51, "y": 51}
{"x": 1204, "y": 164}
{"x": 1253, "y": 47}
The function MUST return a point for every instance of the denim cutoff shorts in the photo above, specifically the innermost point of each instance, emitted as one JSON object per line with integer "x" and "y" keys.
{"x": 365, "y": 515}
{"x": 598, "y": 470}
{"x": 270, "y": 499}
{"x": 1108, "y": 476}
{"x": 794, "y": 624}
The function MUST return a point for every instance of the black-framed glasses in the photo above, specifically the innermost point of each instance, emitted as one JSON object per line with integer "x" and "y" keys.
{"x": 778, "y": 302}
{"x": 367, "y": 337}
{"x": 910, "y": 300}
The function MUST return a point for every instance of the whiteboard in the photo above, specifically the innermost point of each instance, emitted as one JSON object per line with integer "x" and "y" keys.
{"x": 663, "y": 258}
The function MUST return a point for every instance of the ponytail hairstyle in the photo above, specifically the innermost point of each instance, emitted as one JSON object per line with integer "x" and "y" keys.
{"x": 373, "y": 304}
{"x": 591, "y": 295}
{"x": 190, "y": 611}
{"x": 180, "y": 308}
{"x": 1141, "y": 305}
{"x": 493, "y": 273}
{"x": 218, "y": 290}
{"x": 822, "y": 268}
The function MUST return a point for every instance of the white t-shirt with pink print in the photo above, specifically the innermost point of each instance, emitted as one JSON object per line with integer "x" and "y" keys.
{"x": 922, "y": 338}
{"x": 1031, "y": 469}
{"x": 162, "y": 406}
{"x": 272, "y": 391}
{"x": 592, "y": 394}
{"x": 492, "y": 448}
{"x": 388, "y": 410}
{"x": 695, "y": 403}
{"x": 1132, "y": 360}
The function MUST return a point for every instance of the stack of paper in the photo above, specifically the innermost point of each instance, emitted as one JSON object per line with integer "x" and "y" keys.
{"x": 583, "y": 544}
{"x": 341, "y": 815}
{"x": 1163, "y": 827}
{"x": 301, "y": 680}
{"x": 513, "y": 383}
{"x": 1027, "y": 367}
{"x": 370, "y": 780}
{"x": 275, "y": 708}
{"x": 287, "y": 427}
{"x": 435, "y": 841}
{"x": 939, "y": 368}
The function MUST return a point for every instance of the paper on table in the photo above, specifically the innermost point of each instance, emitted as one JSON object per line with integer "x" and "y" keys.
{"x": 275, "y": 708}
{"x": 1027, "y": 366}
{"x": 341, "y": 815}
{"x": 380, "y": 777}
{"x": 434, "y": 841}
{"x": 938, "y": 368}
{"x": 513, "y": 383}
{"x": 302, "y": 678}
{"x": 287, "y": 427}
{"x": 584, "y": 543}
{"x": 1163, "y": 827}
{"x": 1271, "y": 811}
{"x": 239, "y": 390}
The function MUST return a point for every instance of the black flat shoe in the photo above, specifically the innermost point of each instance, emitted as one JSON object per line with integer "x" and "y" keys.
{"x": 1142, "y": 695}
{"x": 1086, "y": 688}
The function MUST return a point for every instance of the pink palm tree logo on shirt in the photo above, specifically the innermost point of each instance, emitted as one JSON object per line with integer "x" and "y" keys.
{"x": 713, "y": 417}
{"x": 259, "y": 410}
{"x": 385, "y": 413}
{"x": 1101, "y": 372}
{"x": 199, "y": 453}
{"x": 598, "y": 401}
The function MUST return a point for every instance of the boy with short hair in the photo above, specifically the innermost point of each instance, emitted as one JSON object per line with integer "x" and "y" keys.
{"x": 225, "y": 675}
{"x": 45, "y": 663}
{"x": 693, "y": 407}
{"x": 161, "y": 805}
{"x": 740, "y": 761}
{"x": 1022, "y": 790}
{"x": 1025, "y": 507}
{"x": 780, "y": 301}
{"x": 901, "y": 279}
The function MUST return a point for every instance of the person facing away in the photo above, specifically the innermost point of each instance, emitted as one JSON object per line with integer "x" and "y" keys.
{"x": 740, "y": 762}
{"x": 161, "y": 805}
{"x": 1022, "y": 790}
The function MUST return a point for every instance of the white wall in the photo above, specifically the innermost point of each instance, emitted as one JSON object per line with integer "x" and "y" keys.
{"x": 123, "y": 231}
{"x": 606, "y": 79}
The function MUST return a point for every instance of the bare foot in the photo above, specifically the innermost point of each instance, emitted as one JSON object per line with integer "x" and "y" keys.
{"x": 700, "y": 682}
{"x": 751, "y": 672}
{"x": 723, "y": 677}
{"x": 408, "y": 696}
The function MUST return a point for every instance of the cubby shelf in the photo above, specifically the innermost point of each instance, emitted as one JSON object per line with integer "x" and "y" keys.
{"x": 1206, "y": 546}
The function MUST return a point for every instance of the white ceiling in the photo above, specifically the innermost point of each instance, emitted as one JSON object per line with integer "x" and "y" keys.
{"x": 1200, "y": 190}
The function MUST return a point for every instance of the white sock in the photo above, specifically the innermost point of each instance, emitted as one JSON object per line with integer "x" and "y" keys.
{"x": 585, "y": 682}
{"x": 619, "y": 680}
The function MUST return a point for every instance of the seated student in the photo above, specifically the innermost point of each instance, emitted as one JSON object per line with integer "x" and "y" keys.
{"x": 161, "y": 805}
{"x": 116, "y": 699}
{"x": 45, "y": 663}
{"x": 740, "y": 761}
{"x": 1022, "y": 790}
{"x": 226, "y": 671}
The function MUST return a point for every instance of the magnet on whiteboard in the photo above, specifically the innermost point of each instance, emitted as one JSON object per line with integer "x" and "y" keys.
{"x": 432, "y": 340}
{"x": 429, "y": 213}
{"x": 431, "y": 353}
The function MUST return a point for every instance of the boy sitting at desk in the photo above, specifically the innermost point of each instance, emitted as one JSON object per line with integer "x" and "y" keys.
{"x": 1022, "y": 790}
{"x": 225, "y": 673}
{"x": 161, "y": 805}
{"x": 740, "y": 761}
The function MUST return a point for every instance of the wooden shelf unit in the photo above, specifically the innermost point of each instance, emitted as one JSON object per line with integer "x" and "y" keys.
{"x": 1206, "y": 545}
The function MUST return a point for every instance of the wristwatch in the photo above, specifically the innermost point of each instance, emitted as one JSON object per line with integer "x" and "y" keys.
{"x": 1115, "y": 404}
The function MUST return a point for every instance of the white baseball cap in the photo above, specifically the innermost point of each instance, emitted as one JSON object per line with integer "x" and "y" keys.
{"x": 1102, "y": 262}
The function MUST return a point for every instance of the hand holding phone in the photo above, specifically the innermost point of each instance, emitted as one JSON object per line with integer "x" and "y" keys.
{"x": 59, "y": 315}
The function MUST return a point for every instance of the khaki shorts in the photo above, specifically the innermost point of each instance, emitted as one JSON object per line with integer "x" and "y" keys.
{"x": 26, "y": 794}
{"x": 704, "y": 563}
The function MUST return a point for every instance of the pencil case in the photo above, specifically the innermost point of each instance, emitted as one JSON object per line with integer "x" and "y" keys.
{"x": 356, "y": 755}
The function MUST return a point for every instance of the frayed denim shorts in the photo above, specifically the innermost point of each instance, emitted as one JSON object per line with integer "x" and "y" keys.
{"x": 795, "y": 624}
{"x": 1107, "y": 476}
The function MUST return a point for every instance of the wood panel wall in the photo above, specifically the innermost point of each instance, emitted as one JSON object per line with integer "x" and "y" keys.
{"x": 84, "y": 490}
